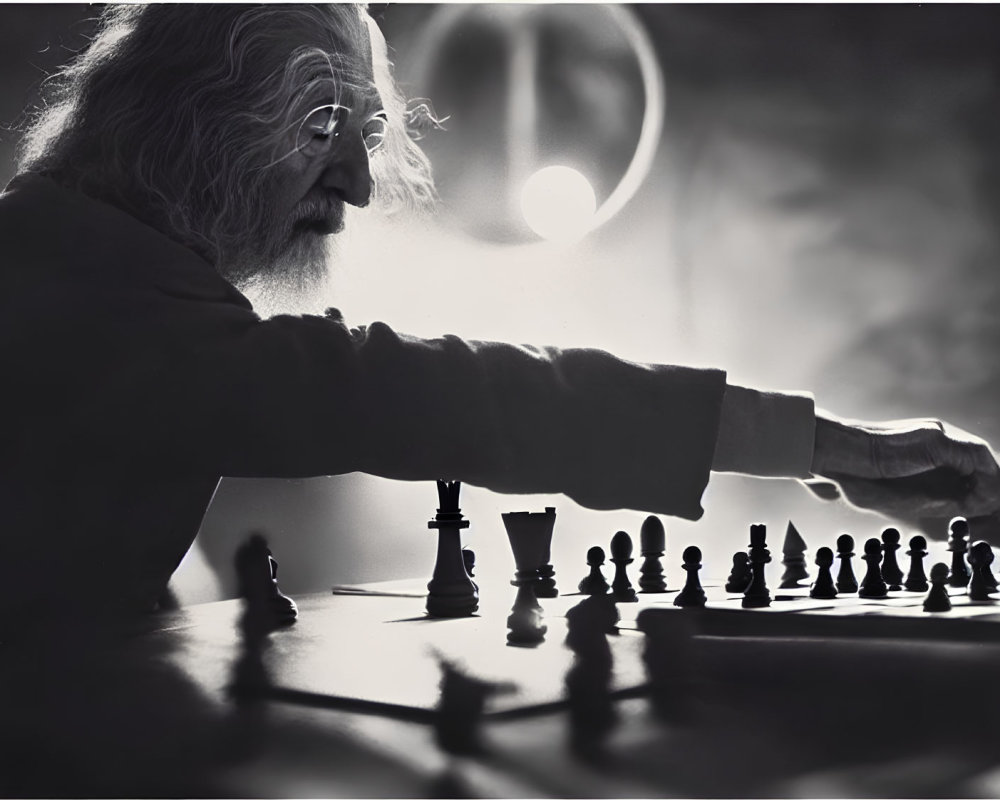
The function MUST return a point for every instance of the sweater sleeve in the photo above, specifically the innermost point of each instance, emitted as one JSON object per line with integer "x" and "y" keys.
{"x": 300, "y": 396}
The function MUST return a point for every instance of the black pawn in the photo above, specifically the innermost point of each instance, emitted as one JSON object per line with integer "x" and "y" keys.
{"x": 756, "y": 594}
{"x": 692, "y": 595}
{"x": 937, "y": 598}
{"x": 872, "y": 585}
{"x": 739, "y": 577}
{"x": 793, "y": 552}
{"x": 652, "y": 543}
{"x": 891, "y": 573}
{"x": 958, "y": 544}
{"x": 980, "y": 558}
{"x": 916, "y": 580}
{"x": 846, "y": 582}
{"x": 823, "y": 588}
{"x": 621, "y": 557}
{"x": 595, "y": 582}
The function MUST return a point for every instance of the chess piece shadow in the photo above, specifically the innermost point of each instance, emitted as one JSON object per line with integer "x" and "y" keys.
{"x": 257, "y": 580}
{"x": 457, "y": 723}
{"x": 592, "y": 715}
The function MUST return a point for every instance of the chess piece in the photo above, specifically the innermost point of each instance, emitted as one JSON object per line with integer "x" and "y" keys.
{"x": 265, "y": 607}
{"x": 524, "y": 623}
{"x": 872, "y": 585}
{"x": 823, "y": 588}
{"x": 652, "y": 543}
{"x": 595, "y": 582}
{"x": 739, "y": 576}
{"x": 937, "y": 598}
{"x": 451, "y": 592}
{"x": 756, "y": 594}
{"x": 916, "y": 580}
{"x": 621, "y": 557}
{"x": 460, "y": 709}
{"x": 988, "y": 577}
{"x": 793, "y": 559}
{"x": 891, "y": 573}
{"x": 980, "y": 558}
{"x": 469, "y": 562}
{"x": 846, "y": 582}
{"x": 592, "y": 714}
{"x": 530, "y": 535}
{"x": 958, "y": 544}
{"x": 692, "y": 595}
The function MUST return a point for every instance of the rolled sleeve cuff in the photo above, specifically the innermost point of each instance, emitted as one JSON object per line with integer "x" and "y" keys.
{"x": 769, "y": 434}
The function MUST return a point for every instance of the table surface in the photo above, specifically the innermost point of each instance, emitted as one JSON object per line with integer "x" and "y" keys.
{"x": 150, "y": 714}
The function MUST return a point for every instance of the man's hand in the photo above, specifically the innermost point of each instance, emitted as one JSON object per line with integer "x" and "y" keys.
{"x": 908, "y": 469}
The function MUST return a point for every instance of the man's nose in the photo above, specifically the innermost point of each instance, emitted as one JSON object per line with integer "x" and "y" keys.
{"x": 348, "y": 174}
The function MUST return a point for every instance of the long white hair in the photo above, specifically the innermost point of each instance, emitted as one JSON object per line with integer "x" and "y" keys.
{"x": 174, "y": 111}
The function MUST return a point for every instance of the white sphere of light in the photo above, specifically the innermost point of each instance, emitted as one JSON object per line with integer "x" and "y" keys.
{"x": 558, "y": 203}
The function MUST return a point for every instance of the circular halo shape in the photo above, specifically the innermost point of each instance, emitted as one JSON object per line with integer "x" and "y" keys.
{"x": 654, "y": 94}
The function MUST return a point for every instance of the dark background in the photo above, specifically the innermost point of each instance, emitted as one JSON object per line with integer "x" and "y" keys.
{"x": 821, "y": 214}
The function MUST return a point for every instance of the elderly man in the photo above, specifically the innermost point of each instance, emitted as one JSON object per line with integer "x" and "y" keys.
{"x": 193, "y": 149}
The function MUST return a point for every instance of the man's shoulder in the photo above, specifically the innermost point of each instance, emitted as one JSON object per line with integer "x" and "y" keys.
{"x": 56, "y": 235}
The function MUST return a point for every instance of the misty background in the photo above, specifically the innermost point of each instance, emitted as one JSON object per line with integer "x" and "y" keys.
{"x": 820, "y": 214}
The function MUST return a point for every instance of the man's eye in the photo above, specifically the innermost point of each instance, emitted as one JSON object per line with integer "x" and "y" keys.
{"x": 374, "y": 131}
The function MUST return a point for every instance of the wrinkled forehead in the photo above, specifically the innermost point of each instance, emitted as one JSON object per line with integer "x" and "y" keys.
{"x": 339, "y": 38}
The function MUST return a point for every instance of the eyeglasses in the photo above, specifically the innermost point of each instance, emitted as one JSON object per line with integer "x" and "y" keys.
{"x": 323, "y": 125}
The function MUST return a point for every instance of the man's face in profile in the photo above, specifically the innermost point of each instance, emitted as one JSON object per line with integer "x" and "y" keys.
{"x": 321, "y": 166}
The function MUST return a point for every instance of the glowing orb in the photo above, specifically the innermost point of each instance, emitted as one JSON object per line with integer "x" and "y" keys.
{"x": 558, "y": 203}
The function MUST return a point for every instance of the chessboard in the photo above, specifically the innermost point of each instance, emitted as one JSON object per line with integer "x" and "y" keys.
{"x": 607, "y": 677}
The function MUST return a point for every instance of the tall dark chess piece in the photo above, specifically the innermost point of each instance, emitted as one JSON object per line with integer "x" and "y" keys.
{"x": 846, "y": 582}
{"x": 872, "y": 585}
{"x": 823, "y": 588}
{"x": 937, "y": 598}
{"x": 451, "y": 592}
{"x": 916, "y": 580}
{"x": 592, "y": 714}
{"x": 530, "y": 535}
{"x": 652, "y": 543}
{"x": 793, "y": 552}
{"x": 266, "y": 608}
{"x": 692, "y": 595}
{"x": 980, "y": 558}
{"x": 757, "y": 595}
{"x": 891, "y": 573}
{"x": 621, "y": 557}
{"x": 594, "y": 582}
{"x": 958, "y": 544}
{"x": 740, "y": 575}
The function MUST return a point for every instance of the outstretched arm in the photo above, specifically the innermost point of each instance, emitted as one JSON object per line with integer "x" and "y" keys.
{"x": 912, "y": 470}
